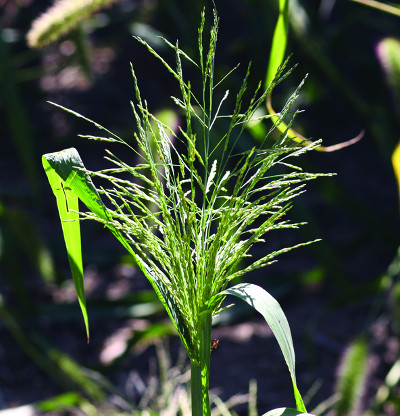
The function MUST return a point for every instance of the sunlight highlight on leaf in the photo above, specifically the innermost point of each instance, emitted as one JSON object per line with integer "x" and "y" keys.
{"x": 272, "y": 312}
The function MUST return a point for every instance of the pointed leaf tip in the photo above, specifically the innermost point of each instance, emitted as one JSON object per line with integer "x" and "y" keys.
{"x": 58, "y": 168}
{"x": 272, "y": 312}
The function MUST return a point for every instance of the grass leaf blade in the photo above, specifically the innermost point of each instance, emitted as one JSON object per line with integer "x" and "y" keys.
{"x": 67, "y": 203}
{"x": 272, "y": 312}
{"x": 279, "y": 42}
{"x": 68, "y": 177}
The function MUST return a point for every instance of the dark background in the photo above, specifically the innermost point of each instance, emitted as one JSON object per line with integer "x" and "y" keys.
{"x": 333, "y": 291}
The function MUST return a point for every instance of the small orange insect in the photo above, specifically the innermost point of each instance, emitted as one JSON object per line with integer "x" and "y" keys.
{"x": 214, "y": 344}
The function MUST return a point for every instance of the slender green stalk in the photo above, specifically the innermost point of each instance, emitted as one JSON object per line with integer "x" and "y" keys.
{"x": 196, "y": 388}
{"x": 200, "y": 368}
{"x": 204, "y": 337}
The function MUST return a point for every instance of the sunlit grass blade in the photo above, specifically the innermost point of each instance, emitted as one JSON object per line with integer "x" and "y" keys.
{"x": 68, "y": 208}
{"x": 272, "y": 312}
{"x": 279, "y": 42}
{"x": 70, "y": 181}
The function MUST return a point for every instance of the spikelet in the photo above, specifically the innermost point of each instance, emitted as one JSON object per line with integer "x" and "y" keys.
{"x": 61, "y": 18}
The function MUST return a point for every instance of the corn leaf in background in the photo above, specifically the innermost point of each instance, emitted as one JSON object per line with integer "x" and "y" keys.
{"x": 70, "y": 181}
{"x": 272, "y": 312}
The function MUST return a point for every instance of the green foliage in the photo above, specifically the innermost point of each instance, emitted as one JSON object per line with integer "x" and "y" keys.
{"x": 279, "y": 41}
{"x": 68, "y": 208}
{"x": 209, "y": 210}
{"x": 276, "y": 59}
{"x": 270, "y": 309}
{"x": 341, "y": 61}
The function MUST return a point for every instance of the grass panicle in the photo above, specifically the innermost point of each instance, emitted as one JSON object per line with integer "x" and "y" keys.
{"x": 193, "y": 206}
{"x": 207, "y": 217}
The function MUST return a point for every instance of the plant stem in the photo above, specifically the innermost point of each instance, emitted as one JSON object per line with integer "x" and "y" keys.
{"x": 200, "y": 370}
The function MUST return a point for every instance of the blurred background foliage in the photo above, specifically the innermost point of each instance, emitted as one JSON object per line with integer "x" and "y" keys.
{"x": 342, "y": 294}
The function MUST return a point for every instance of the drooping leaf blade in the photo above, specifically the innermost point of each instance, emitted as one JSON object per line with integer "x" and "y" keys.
{"x": 67, "y": 172}
{"x": 272, "y": 312}
{"x": 68, "y": 165}
{"x": 67, "y": 203}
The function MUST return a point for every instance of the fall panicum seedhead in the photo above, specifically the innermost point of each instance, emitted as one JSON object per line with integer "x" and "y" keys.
{"x": 205, "y": 217}
{"x": 61, "y": 18}
{"x": 192, "y": 208}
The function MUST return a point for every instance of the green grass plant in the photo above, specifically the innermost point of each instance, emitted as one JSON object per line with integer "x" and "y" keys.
{"x": 276, "y": 58}
{"x": 209, "y": 205}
